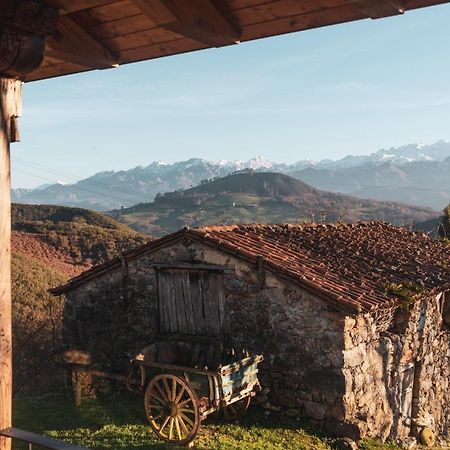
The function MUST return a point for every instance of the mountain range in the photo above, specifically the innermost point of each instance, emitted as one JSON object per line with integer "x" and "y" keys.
{"x": 416, "y": 174}
{"x": 263, "y": 197}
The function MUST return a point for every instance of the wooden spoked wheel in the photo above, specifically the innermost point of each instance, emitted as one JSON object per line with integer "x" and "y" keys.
{"x": 171, "y": 406}
{"x": 237, "y": 410}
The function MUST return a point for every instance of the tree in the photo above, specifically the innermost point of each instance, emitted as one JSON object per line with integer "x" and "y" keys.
{"x": 444, "y": 226}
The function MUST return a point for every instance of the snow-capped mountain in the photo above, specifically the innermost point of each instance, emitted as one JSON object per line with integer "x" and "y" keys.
{"x": 415, "y": 173}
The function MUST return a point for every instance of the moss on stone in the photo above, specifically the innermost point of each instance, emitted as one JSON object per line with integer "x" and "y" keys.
{"x": 406, "y": 293}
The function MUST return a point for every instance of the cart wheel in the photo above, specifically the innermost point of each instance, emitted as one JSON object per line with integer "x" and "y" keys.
{"x": 237, "y": 410}
{"x": 171, "y": 406}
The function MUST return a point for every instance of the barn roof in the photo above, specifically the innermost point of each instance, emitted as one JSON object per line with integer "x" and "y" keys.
{"x": 100, "y": 34}
{"x": 350, "y": 265}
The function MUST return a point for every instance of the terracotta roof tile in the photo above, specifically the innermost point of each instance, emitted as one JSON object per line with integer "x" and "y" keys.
{"x": 347, "y": 264}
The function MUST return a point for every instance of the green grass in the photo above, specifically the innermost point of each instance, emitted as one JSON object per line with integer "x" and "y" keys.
{"x": 118, "y": 422}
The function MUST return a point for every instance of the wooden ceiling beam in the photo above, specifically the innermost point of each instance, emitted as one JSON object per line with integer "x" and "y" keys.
{"x": 377, "y": 9}
{"x": 71, "y": 6}
{"x": 196, "y": 19}
{"x": 75, "y": 45}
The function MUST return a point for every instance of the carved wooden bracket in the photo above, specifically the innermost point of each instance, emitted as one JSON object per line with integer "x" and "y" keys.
{"x": 24, "y": 25}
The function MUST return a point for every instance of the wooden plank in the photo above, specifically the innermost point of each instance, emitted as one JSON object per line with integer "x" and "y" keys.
{"x": 10, "y": 106}
{"x": 280, "y": 9}
{"x": 172, "y": 320}
{"x": 197, "y": 302}
{"x": 41, "y": 441}
{"x": 301, "y": 22}
{"x": 191, "y": 266}
{"x": 161, "y": 304}
{"x": 180, "y": 312}
{"x": 121, "y": 27}
{"x": 55, "y": 70}
{"x": 198, "y": 20}
{"x": 235, "y": 5}
{"x": 155, "y": 51}
{"x": 380, "y": 8}
{"x": 166, "y": 294}
{"x": 70, "y": 6}
{"x": 75, "y": 45}
{"x": 210, "y": 317}
{"x": 107, "y": 13}
{"x": 188, "y": 306}
{"x": 154, "y": 36}
{"x": 221, "y": 304}
{"x": 214, "y": 301}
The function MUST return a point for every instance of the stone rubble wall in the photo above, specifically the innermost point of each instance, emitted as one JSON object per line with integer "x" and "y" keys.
{"x": 115, "y": 315}
{"x": 341, "y": 372}
{"x": 377, "y": 364}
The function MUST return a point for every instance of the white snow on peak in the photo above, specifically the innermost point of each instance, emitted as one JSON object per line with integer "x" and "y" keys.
{"x": 259, "y": 162}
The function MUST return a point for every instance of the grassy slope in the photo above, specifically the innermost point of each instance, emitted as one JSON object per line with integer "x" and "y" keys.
{"x": 36, "y": 322}
{"x": 119, "y": 423}
{"x": 49, "y": 213}
{"x": 258, "y": 197}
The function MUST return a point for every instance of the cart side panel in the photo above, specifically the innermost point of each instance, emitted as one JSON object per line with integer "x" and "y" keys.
{"x": 240, "y": 379}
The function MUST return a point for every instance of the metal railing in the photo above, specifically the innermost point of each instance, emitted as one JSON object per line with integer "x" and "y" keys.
{"x": 36, "y": 439}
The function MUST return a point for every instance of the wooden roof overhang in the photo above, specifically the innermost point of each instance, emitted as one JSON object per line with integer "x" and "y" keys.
{"x": 100, "y": 34}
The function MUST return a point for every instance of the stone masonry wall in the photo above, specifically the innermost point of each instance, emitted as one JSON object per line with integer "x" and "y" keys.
{"x": 403, "y": 361}
{"x": 115, "y": 315}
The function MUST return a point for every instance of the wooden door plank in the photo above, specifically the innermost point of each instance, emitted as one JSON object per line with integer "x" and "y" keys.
{"x": 188, "y": 306}
{"x": 173, "y": 303}
{"x": 221, "y": 303}
{"x": 208, "y": 301}
{"x": 197, "y": 303}
{"x": 180, "y": 310}
{"x": 161, "y": 303}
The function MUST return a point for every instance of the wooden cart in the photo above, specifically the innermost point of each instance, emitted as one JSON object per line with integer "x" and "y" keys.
{"x": 184, "y": 382}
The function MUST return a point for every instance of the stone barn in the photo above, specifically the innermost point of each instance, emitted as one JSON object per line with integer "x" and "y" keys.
{"x": 353, "y": 319}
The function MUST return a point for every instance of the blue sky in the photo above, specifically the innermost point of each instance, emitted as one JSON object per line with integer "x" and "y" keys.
{"x": 325, "y": 93}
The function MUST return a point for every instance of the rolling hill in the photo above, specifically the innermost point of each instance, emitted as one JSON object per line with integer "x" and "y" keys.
{"x": 78, "y": 236}
{"x": 265, "y": 197}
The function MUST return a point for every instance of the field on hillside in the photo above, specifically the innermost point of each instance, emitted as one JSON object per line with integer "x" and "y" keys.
{"x": 119, "y": 423}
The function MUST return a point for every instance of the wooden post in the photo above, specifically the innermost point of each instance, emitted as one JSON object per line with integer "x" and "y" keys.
{"x": 10, "y": 109}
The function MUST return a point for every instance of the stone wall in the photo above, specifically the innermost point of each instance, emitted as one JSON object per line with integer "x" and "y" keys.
{"x": 348, "y": 374}
{"x": 115, "y": 315}
{"x": 397, "y": 372}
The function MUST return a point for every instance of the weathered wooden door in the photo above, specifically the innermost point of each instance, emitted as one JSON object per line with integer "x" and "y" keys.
{"x": 191, "y": 302}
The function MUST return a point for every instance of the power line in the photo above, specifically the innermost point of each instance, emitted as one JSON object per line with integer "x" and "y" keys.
{"x": 80, "y": 188}
{"x": 144, "y": 197}
{"x": 121, "y": 190}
